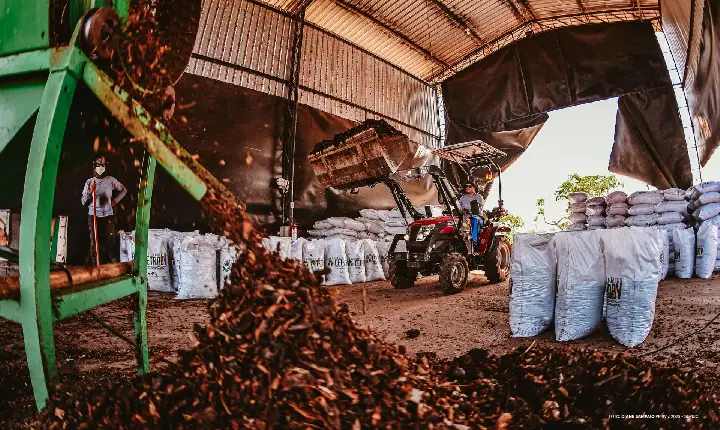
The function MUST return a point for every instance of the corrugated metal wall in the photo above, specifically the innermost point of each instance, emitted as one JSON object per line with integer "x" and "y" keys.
{"x": 682, "y": 22}
{"x": 248, "y": 44}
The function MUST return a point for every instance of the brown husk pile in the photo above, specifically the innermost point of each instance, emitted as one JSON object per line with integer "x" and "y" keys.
{"x": 279, "y": 353}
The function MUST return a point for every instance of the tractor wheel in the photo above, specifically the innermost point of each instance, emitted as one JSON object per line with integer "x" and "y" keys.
{"x": 400, "y": 276}
{"x": 497, "y": 260}
{"x": 454, "y": 273}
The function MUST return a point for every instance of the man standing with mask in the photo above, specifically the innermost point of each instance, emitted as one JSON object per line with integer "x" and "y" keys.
{"x": 98, "y": 196}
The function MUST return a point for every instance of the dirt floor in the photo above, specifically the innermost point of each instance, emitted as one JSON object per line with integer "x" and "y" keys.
{"x": 448, "y": 326}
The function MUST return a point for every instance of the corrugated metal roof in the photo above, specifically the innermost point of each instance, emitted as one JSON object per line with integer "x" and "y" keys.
{"x": 432, "y": 39}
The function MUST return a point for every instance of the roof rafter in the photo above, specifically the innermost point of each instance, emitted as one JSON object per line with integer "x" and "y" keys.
{"x": 458, "y": 21}
{"x": 411, "y": 43}
{"x": 521, "y": 11}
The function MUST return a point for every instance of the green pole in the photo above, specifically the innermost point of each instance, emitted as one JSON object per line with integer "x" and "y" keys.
{"x": 34, "y": 259}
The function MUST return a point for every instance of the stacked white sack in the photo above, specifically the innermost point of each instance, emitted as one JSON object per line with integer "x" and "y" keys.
{"x": 641, "y": 208}
{"x": 705, "y": 201}
{"x": 577, "y": 208}
{"x": 595, "y": 211}
{"x": 668, "y": 229}
{"x": 616, "y": 209}
{"x": 532, "y": 284}
{"x": 633, "y": 265}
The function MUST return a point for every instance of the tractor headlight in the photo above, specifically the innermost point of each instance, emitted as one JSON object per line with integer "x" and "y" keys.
{"x": 423, "y": 233}
{"x": 406, "y": 237}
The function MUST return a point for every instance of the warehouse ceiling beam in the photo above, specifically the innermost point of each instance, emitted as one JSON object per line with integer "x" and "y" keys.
{"x": 459, "y": 21}
{"x": 405, "y": 39}
{"x": 522, "y": 13}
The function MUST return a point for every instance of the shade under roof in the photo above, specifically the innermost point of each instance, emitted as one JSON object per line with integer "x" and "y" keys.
{"x": 433, "y": 39}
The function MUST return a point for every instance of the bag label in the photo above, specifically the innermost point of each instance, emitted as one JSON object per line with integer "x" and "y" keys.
{"x": 613, "y": 288}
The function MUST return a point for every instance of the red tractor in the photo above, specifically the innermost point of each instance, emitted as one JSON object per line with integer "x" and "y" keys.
{"x": 443, "y": 244}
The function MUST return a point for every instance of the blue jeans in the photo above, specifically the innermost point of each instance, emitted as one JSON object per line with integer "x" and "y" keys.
{"x": 476, "y": 224}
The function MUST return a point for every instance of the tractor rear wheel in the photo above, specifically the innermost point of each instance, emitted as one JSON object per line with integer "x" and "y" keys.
{"x": 454, "y": 273}
{"x": 497, "y": 260}
{"x": 401, "y": 277}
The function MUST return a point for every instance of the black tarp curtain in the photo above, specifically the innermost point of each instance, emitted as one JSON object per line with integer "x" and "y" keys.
{"x": 504, "y": 98}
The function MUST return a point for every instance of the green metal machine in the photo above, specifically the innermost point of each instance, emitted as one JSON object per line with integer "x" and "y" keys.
{"x": 38, "y": 80}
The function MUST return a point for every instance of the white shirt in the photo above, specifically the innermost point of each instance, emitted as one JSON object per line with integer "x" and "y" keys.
{"x": 103, "y": 191}
{"x": 466, "y": 199}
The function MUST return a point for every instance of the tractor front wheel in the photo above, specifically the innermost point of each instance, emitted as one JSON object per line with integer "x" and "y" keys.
{"x": 454, "y": 273}
{"x": 401, "y": 277}
{"x": 497, "y": 260}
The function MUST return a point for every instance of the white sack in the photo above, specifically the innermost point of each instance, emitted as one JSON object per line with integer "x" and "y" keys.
{"x": 708, "y": 187}
{"x": 578, "y": 218}
{"x": 576, "y": 227}
{"x": 198, "y": 268}
{"x": 684, "y": 240}
{"x": 670, "y": 218}
{"x": 641, "y": 209}
{"x": 645, "y": 197}
{"x": 352, "y": 224}
{"x": 323, "y": 225}
{"x": 314, "y": 255}
{"x": 578, "y": 197}
{"x": 666, "y": 254}
{"x": 127, "y": 246}
{"x": 370, "y": 214}
{"x": 706, "y": 250}
{"x": 336, "y": 262}
{"x": 296, "y": 249}
{"x": 373, "y": 266}
{"x": 616, "y": 197}
{"x": 581, "y": 284}
{"x": 532, "y": 283}
{"x": 281, "y": 245}
{"x": 337, "y": 222}
{"x": 158, "y": 261}
{"x": 395, "y": 230}
{"x": 672, "y": 206}
{"x": 374, "y": 227}
{"x": 615, "y": 221}
{"x": 578, "y": 208}
{"x": 319, "y": 233}
{"x": 707, "y": 198}
{"x": 708, "y": 211}
{"x": 617, "y": 209}
{"x": 596, "y": 201}
{"x": 633, "y": 265}
{"x": 596, "y": 221}
{"x": 595, "y": 210}
{"x": 395, "y": 213}
{"x": 674, "y": 194}
{"x": 228, "y": 257}
{"x": 396, "y": 222}
{"x": 597, "y": 227}
{"x": 642, "y": 220}
{"x": 355, "y": 251}
{"x": 383, "y": 215}
{"x": 383, "y": 248}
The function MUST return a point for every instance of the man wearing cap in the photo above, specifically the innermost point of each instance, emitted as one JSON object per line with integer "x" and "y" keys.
{"x": 102, "y": 188}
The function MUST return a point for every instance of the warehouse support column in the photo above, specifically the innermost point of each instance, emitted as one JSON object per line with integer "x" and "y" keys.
{"x": 288, "y": 167}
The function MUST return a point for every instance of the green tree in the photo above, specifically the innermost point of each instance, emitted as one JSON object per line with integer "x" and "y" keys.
{"x": 594, "y": 185}
{"x": 512, "y": 221}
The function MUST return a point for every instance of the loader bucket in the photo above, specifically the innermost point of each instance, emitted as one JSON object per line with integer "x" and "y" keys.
{"x": 361, "y": 156}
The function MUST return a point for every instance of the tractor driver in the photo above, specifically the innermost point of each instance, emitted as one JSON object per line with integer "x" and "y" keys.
{"x": 466, "y": 203}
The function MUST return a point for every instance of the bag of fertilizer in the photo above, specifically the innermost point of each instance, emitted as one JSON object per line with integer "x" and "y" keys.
{"x": 158, "y": 261}
{"x": 318, "y": 233}
{"x": 672, "y": 206}
{"x": 337, "y": 222}
{"x": 674, "y": 194}
{"x": 532, "y": 284}
{"x": 175, "y": 253}
{"x": 281, "y": 245}
{"x": 706, "y": 250}
{"x": 362, "y": 235}
{"x": 645, "y": 197}
{"x": 323, "y": 225}
{"x": 706, "y": 212}
{"x": 370, "y": 214}
{"x": 707, "y": 187}
{"x": 578, "y": 208}
{"x": 352, "y": 224}
{"x": 383, "y": 248}
{"x": 666, "y": 254}
{"x": 355, "y": 251}
{"x": 373, "y": 266}
{"x": 576, "y": 227}
{"x": 396, "y": 222}
{"x": 596, "y": 227}
{"x": 670, "y": 218}
{"x": 615, "y": 221}
{"x": 581, "y": 285}
{"x": 395, "y": 230}
{"x": 296, "y": 249}
{"x": 314, "y": 255}
{"x": 633, "y": 267}
{"x": 595, "y": 210}
{"x": 596, "y": 201}
{"x": 578, "y": 218}
{"x": 198, "y": 269}
{"x": 596, "y": 221}
{"x": 374, "y": 227}
{"x": 642, "y": 220}
{"x": 617, "y": 209}
{"x": 127, "y": 246}
{"x": 336, "y": 262}
{"x": 641, "y": 209}
{"x": 707, "y": 198}
{"x": 616, "y": 197}
{"x": 228, "y": 257}
{"x": 684, "y": 241}
{"x": 578, "y": 197}
{"x": 395, "y": 213}
{"x": 383, "y": 215}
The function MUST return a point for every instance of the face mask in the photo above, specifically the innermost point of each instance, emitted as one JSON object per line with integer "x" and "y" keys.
{"x": 100, "y": 170}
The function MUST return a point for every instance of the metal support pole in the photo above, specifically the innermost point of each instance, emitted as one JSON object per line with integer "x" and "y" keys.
{"x": 291, "y": 119}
